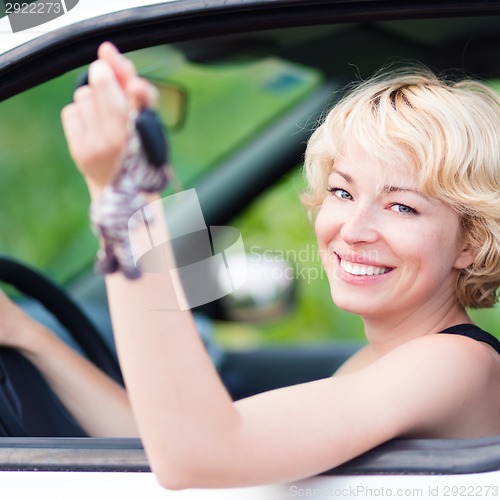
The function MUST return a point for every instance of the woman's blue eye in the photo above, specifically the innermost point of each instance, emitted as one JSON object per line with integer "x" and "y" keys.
{"x": 403, "y": 209}
{"x": 339, "y": 193}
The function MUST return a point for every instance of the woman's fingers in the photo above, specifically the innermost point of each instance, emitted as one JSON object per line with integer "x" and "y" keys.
{"x": 141, "y": 93}
{"x": 123, "y": 68}
{"x": 96, "y": 124}
{"x": 87, "y": 106}
{"x": 74, "y": 128}
{"x": 111, "y": 106}
{"x": 104, "y": 82}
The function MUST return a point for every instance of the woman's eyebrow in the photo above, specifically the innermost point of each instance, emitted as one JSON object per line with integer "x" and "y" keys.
{"x": 347, "y": 177}
{"x": 396, "y": 189}
{"x": 385, "y": 189}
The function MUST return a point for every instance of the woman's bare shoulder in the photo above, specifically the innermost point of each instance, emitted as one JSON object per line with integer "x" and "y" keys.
{"x": 436, "y": 344}
{"x": 449, "y": 349}
{"x": 435, "y": 377}
{"x": 436, "y": 356}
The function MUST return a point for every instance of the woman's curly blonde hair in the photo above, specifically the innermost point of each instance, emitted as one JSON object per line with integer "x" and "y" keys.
{"x": 451, "y": 131}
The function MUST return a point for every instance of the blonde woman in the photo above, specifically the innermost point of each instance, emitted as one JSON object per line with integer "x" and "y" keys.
{"x": 404, "y": 176}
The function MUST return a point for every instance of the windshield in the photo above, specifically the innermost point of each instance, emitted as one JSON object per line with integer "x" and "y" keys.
{"x": 201, "y": 106}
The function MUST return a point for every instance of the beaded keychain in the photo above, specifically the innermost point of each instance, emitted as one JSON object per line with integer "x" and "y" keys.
{"x": 143, "y": 170}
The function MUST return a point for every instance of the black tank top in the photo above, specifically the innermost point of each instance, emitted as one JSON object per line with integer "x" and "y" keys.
{"x": 474, "y": 332}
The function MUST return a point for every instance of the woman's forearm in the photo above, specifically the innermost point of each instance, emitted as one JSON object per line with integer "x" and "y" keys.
{"x": 176, "y": 393}
{"x": 99, "y": 404}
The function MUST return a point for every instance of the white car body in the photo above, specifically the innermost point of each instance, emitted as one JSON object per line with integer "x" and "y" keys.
{"x": 130, "y": 486}
{"x": 83, "y": 10}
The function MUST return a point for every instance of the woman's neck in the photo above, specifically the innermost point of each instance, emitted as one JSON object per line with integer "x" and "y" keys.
{"x": 384, "y": 335}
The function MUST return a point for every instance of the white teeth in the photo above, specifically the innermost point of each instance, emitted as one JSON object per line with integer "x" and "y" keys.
{"x": 362, "y": 270}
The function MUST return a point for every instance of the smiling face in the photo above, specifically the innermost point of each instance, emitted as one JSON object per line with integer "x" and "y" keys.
{"x": 387, "y": 249}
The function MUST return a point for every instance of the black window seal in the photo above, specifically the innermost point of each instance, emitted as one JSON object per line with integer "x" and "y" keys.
{"x": 427, "y": 456}
{"x": 67, "y": 48}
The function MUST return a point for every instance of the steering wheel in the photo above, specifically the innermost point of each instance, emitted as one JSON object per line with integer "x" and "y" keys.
{"x": 34, "y": 284}
{"x": 28, "y": 406}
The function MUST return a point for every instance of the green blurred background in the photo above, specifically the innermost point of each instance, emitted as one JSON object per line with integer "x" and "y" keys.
{"x": 44, "y": 203}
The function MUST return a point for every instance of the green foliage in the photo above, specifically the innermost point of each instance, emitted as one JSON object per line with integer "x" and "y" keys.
{"x": 226, "y": 105}
{"x": 43, "y": 200}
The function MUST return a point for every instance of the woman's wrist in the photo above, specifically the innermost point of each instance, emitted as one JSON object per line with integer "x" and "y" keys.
{"x": 95, "y": 189}
{"x": 31, "y": 338}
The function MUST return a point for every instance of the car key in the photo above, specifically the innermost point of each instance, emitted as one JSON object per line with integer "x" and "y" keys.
{"x": 149, "y": 128}
{"x": 144, "y": 169}
{"x": 150, "y": 131}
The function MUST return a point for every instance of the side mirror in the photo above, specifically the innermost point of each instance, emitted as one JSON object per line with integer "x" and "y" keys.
{"x": 171, "y": 104}
{"x": 268, "y": 293}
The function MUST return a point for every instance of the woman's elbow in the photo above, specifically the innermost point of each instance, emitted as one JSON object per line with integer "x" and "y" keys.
{"x": 171, "y": 482}
{"x": 205, "y": 465}
{"x": 177, "y": 476}
{"x": 192, "y": 475}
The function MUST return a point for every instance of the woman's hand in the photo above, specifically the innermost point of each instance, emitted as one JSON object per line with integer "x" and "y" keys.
{"x": 15, "y": 325}
{"x": 96, "y": 123}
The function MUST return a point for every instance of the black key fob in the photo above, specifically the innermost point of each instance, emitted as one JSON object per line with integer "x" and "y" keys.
{"x": 154, "y": 142}
{"x": 81, "y": 80}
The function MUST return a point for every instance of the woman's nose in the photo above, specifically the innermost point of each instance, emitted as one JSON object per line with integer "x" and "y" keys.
{"x": 359, "y": 226}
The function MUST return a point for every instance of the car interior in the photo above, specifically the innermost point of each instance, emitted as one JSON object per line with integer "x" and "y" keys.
{"x": 280, "y": 79}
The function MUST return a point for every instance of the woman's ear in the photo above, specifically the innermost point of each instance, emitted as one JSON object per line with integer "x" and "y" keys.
{"x": 466, "y": 257}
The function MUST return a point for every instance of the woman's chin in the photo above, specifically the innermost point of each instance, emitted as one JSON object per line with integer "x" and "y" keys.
{"x": 357, "y": 305}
